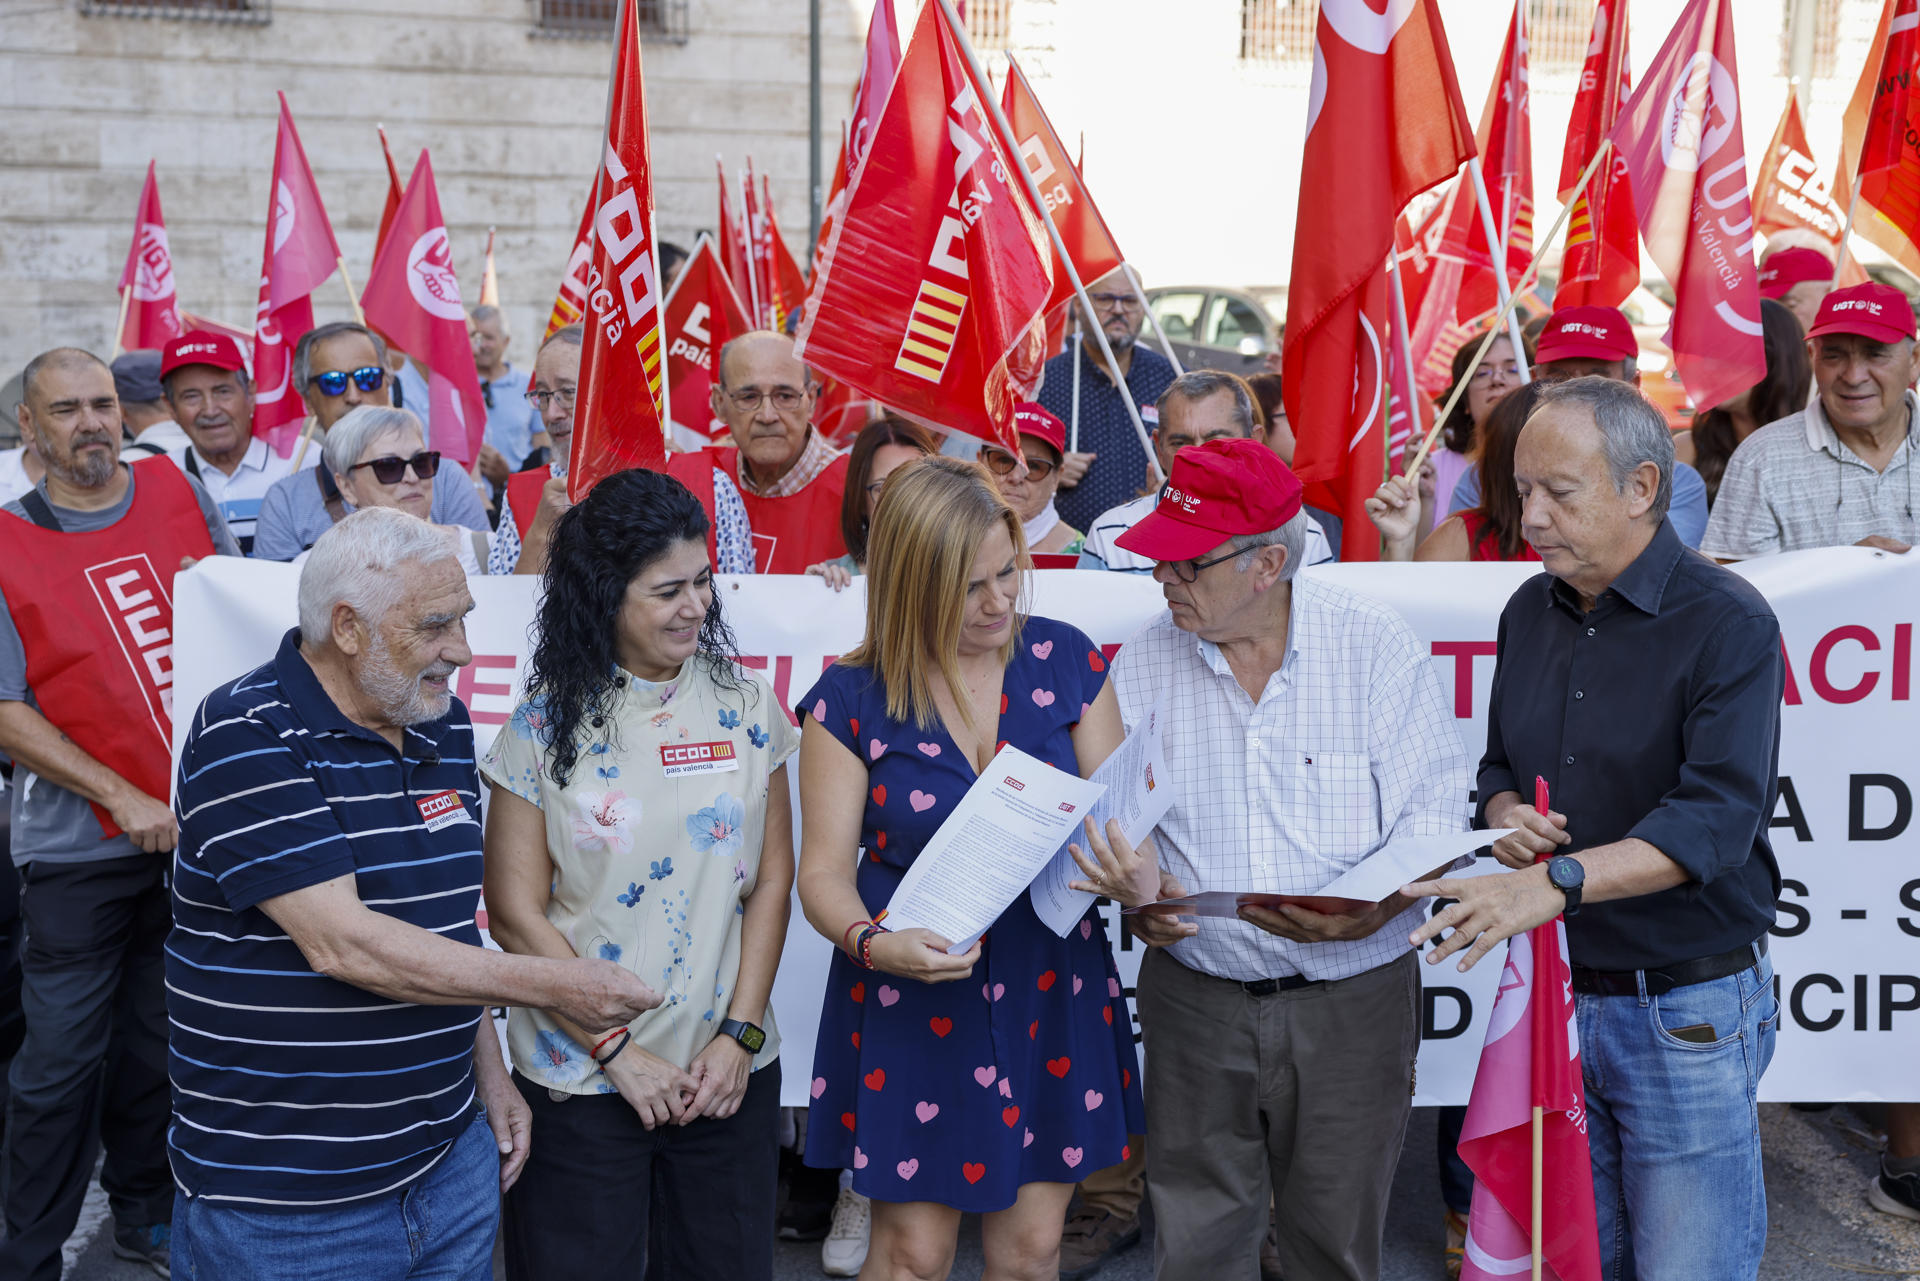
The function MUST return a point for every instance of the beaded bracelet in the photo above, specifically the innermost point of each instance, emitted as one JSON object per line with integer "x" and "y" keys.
{"x": 625, "y": 1038}
{"x": 863, "y": 944}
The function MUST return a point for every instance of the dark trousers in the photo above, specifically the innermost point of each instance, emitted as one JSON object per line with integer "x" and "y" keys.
{"x": 603, "y": 1196}
{"x": 92, "y": 1069}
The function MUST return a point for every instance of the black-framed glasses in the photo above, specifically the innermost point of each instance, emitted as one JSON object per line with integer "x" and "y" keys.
{"x": 1001, "y": 463}
{"x": 1189, "y": 571}
{"x": 1127, "y": 302}
{"x": 539, "y": 399}
{"x": 367, "y": 378}
{"x": 784, "y": 399}
{"x": 390, "y": 470}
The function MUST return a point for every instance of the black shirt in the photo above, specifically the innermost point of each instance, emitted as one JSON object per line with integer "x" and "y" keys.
{"x": 1106, "y": 429}
{"x": 1656, "y": 716}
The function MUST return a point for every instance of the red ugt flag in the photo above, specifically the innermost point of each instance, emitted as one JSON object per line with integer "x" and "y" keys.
{"x": 300, "y": 254}
{"x": 1601, "y": 265}
{"x": 1384, "y": 123}
{"x": 1681, "y": 139}
{"x": 153, "y": 309}
{"x": 703, "y": 314}
{"x": 619, "y": 420}
{"x": 413, "y": 298}
{"x": 1089, "y": 242}
{"x": 1505, "y": 138}
{"x": 938, "y": 272}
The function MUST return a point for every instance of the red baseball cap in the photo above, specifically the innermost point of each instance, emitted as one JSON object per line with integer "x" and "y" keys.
{"x": 1871, "y": 310}
{"x": 1030, "y": 419}
{"x": 1790, "y": 267}
{"x": 1586, "y": 333}
{"x": 199, "y": 347}
{"x": 1217, "y": 490}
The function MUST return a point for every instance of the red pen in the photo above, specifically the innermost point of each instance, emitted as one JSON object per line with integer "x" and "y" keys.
{"x": 1540, "y": 804}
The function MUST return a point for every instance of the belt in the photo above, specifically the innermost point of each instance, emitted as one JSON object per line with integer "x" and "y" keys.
{"x": 1286, "y": 983}
{"x": 1666, "y": 978}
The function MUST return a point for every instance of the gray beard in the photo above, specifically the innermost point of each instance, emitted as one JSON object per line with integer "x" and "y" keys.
{"x": 398, "y": 695}
{"x": 89, "y": 475}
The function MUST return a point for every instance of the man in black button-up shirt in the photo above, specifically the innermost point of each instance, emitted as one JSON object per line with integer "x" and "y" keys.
{"x": 1643, "y": 683}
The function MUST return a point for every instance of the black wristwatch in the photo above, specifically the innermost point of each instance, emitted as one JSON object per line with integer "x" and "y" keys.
{"x": 1569, "y": 876}
{"x": 750, "y": 1037}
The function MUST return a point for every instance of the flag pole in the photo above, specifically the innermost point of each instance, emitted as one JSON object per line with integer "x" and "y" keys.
{"x": 1079, "y": 346}
{"x": 1846, "y": 231}
{"x": 352, "y": 297}
{"x": 1166, "y": 346}
{"x": 1398, "y": 293}
{"x": 1506, "y": 310}
{"x": 120, "y": 325}
{"x": 306, "y": 438}
{"x": 1492, "y": 232}
{"x": 1003, "y": 131}
{"x": 1539, "y": 1131}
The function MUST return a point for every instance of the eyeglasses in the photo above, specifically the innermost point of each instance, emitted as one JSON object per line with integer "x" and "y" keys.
{"x": 367, "y": 378}
{"x": 1509, "y": 371}
{"x": 1001, "y": 463}
{"x": 1126, "y": 302}
{"x": 784, "y": 399}
{"x": 539, "y": 399}
{"x": 1188, "y": 571}
{"x": 390, "y": 470}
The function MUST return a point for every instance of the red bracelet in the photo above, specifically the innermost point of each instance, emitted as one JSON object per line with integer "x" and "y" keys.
{"x": 601, "y": 1044}
{"x": 846, "y": 938}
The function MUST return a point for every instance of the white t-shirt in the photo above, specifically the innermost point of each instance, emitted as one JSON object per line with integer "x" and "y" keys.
{"x": 1100, "y": 552}
{"x": 14, "y": 480}
{"x": 239, "y": 496}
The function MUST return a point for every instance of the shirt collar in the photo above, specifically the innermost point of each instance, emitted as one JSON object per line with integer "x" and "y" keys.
{"x": 255, "y": 459}
{"x": 1822, "y": 436}
{"x": 815, "y": 457}
{"x": 642, "y": 695}
{"x": 1642, "y": 583}
{"x": 316, "y": 708}
{"x": 1217, "y": 662}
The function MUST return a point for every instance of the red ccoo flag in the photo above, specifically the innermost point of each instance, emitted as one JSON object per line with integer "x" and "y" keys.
{"x": 939, "y": 269}
{"x": 1089, "y": 242}
{"x": 703, "y": 313}
{"x": 1601, "y": 265}
{"x": 1788, "y": 193}
{"x": 152, "y": 303}
{"x": 1505, "y": 139}
{"x": 1889, "y": 210}
{"x": 413, "y": 297}
{"x": 1680, "y": 136}
{"x": 1384, "y": 123}
{"x": 300, "y": 254}
{"x": 619, "y": 418}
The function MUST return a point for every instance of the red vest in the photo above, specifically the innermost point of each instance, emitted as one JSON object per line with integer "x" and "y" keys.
{"x": 95, "y": 616}
{"x": 523, "y": 495}
{"x": 789, "y": 534}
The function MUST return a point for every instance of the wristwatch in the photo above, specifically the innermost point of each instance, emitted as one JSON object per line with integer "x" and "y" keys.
{"x": 1569, "y": 876}
{"x": 750, "y": 1037}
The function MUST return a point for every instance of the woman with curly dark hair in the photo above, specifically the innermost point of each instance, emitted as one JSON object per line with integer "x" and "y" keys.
{"x": 640, "y": 814}
{"x": 1718, "y": 432}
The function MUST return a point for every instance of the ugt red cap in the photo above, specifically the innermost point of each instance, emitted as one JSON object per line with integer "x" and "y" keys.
{"x": 1871, "y": 310}
{"x": 1586, "y": 333}
{"x": 1790, "y": 267}
{"x": 1030, "y": 419}
{"x": 1217, "y": 490}
{"x": 198, "y": 347}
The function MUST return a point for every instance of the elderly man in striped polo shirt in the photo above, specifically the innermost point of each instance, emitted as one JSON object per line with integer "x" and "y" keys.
{"x": 340, "y": 1106}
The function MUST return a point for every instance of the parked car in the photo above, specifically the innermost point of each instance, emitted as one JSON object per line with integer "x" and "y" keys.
{"x": 1213, "y": 327}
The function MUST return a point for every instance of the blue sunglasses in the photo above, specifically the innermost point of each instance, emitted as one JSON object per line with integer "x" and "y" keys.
{"x": 366, "y": 378}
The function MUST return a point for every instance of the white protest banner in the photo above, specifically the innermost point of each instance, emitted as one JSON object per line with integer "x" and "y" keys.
{"x": 1846, "y": 946}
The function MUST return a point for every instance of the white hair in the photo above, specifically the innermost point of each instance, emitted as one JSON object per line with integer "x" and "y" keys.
{"x": 1292, "y": 536}
{"x": 358, "y": 562}
{"x": 359, "y": 427}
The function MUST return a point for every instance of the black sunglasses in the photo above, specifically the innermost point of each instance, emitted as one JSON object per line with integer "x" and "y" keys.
{"x": 389, "y": 470}
{"x": 366, "y": 378}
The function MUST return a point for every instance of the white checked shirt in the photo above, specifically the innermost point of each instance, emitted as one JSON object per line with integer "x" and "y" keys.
{"x": 1350, "y": 744}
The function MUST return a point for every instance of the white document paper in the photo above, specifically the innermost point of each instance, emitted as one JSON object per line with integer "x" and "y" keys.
{"x": 1139, "y": 793}
{"x": 1003, "y": 831}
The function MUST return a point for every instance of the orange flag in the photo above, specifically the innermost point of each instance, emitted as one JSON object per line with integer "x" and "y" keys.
{"x": 1889, "y": 210}
{"x": 1789, "y": 195}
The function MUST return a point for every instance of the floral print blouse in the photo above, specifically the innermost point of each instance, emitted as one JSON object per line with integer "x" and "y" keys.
{"x": 655, "y": 841}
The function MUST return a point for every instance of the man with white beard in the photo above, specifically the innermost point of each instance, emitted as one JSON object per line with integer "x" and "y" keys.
{"x": 330, "y": 1051}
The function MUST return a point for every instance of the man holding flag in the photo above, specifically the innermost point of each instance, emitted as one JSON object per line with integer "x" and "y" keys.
{"x": 1644, "y": 684}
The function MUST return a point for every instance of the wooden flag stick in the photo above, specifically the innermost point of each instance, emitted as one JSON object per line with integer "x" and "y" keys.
{"x": 306, "y": 438}
{"x": 126, "y": 296}
{"x": 1539, "y": 1133}
{"x": 346, "y": 279}
{"x": 1506, "y": 309}
{"x": 1506, "y": 295}
{"x": 1846, "y": 232}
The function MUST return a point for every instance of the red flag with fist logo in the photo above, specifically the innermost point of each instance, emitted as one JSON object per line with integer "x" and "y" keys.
{"x": 1601, "y": 265}
{"x": 931, "y": 293}
{"x": 300, "y": 254}
{"x": 153, "y": 305}
{"x": 619, "y": 417}
{"x": 414, "y": 299}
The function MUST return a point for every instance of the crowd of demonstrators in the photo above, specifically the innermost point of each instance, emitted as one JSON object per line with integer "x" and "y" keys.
{"x": 1030, "y": 481}
{"x": 89, "y": 822}
{"x": 879, "y": 449}
{"x": 1106, "y": 465}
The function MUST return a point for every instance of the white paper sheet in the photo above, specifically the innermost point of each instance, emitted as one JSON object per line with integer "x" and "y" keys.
{"x": 1139, "y": 793}
{"x": 1003, "y": 831}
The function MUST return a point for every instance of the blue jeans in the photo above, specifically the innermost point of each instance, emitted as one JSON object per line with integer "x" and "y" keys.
{"x": 1675, "y": 1133}
{"x": 440, "y": 1227}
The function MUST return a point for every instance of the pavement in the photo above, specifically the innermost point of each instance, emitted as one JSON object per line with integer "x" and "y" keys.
{"x": 1817, "y": 1165}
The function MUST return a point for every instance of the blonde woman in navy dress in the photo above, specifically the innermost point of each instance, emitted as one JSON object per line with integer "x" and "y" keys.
{"x": 992, "y": 1081}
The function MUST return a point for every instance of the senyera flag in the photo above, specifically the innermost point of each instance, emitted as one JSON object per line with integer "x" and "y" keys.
{"x": 789, "y": 285}
{"x": 1788, "y": 192}
{"x": 1384, "y": 123}
{"x": 152, "y": 302}
{"x": 702, "y": 314}
{"x": 1680, "y": 136}
{"x": 413, "y": 297}
{"x": 300, "y": 254}
{"x": 933, "y": 287}
{"x": 1505, "y": 141}
{"x": 1601, "y": 264}
{"x": 877, "y": 70}
{"x": 570, "y": 300}
{"x": 1089, "y": 241}
{"x": 619, "y": 415}
{"x": 1888, "y": 213}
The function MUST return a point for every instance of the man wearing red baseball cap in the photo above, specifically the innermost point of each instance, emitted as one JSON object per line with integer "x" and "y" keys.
{"x": 1305, "y": 728}
{"x": 205, "y": 380}
{"x": 1841, "y": 471}
{"x": 1797, "y": 278}
{"x": 1583, "y": 341}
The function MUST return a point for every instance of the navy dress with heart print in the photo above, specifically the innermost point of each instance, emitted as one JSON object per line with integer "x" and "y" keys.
{"x": 961, "y": 1092}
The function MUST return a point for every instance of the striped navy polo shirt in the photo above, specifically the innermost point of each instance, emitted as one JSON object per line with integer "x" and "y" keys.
{"x": 291, "y": 1088}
